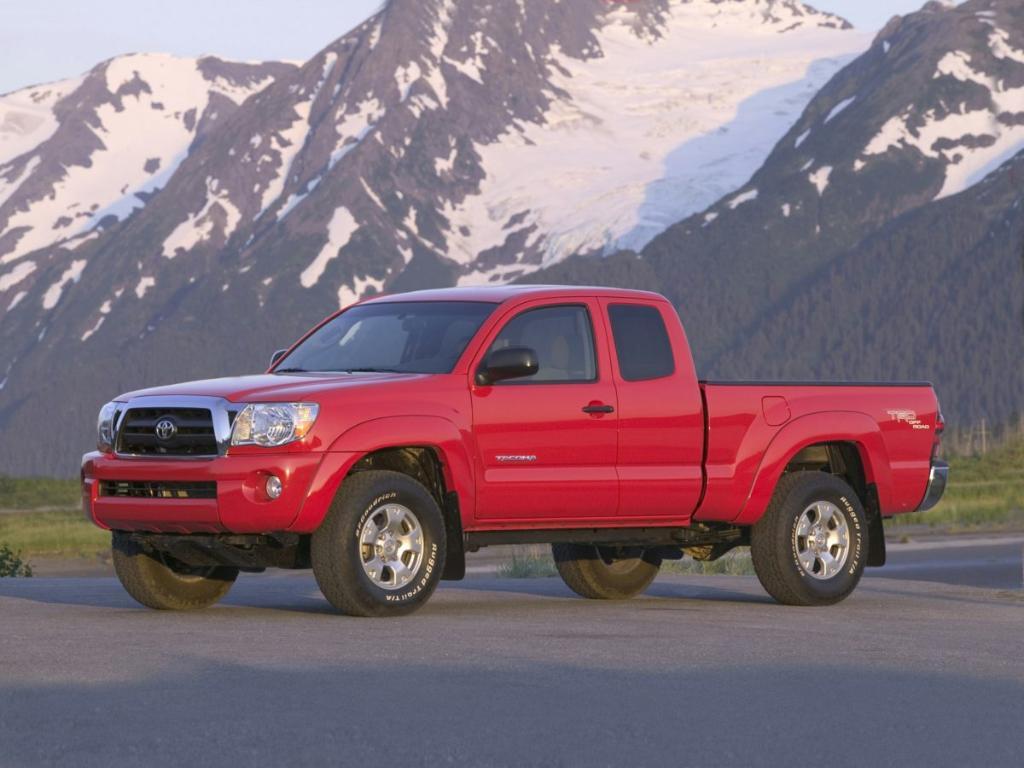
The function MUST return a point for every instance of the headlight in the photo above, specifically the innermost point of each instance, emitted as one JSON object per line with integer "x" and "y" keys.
{"x": 105, "y": 427}
{"x": 273, "y": 424}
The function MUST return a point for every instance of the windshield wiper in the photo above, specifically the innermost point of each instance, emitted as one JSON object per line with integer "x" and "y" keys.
{"x": 373, "y": 370}
{"x": 290, "y": 370}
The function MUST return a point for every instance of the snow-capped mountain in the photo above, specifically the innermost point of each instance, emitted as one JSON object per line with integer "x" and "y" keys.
{"x": 933, "y": 106}
{"x": 445, "y": 142}
{"x": 439, "y": 142}
{"x": 881, "y": 237}
{"x": 88, "y": 151}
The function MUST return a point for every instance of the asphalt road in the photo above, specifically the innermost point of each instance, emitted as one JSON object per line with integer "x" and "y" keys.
{"x": 700, "y": 671}
{"x": 979, "y": 561}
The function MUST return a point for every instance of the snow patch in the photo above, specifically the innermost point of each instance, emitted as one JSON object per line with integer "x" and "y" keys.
{"x": 839, "y": 108}
{"x": 8, "y": 188}
{"x": 965, "y": 165}
{"x": 144, "y": 284}
{"x": 95, "y": 327}
{"x": 17, "y": 300}
{"x": 353, "y": 128}
{"x": 443, "y": 165}
{"x": 285, "y": 145}
{"x": 349, "y": 295}
{"x": 16, "y": 275}
{"x": 405, "y": 77}
{"x": 372, "y": 195}
{"x": 112, "y": 181}
{"x": 647, "y": 133}
{"x": 801, "y": 138}
{"x": 820, "y": 178}
{"x": 786, "y": 209}
{"x": 199, "y": 227}
{"x": 297, "y": 197}
{"x": 27, "y": 118}
{"x": 71, "y": 275}
{"x": 341, "y": 228}
{"x": 999, "y": 42}
{"x": 743, "y": 197}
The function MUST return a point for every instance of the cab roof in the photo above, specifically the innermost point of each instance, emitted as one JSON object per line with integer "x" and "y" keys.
{"x": 498, "y": 294}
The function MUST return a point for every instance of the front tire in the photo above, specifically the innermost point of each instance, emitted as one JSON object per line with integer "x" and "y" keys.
{"x": 380, "y": 551}
{"x": 604, "y": 573}
{"x": 165, "y": 584}
{"x": 811, "y": 545}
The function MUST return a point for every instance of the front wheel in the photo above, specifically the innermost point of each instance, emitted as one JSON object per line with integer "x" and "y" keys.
{"x": 380, "y": 551}
{"x": 605, "y": 573}
{"x": 159, "y": 581}
{"x": 809, "y": 548}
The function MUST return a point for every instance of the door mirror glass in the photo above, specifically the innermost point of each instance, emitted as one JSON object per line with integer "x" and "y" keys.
{"x": 277, "y": 356}
{"x": 507, "y": 363}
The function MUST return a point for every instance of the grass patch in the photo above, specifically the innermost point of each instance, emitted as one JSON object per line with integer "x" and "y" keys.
{"x": 983, "y": 491}
{"x": 52, "y": 533}
{"x": 38, "y": 492}
{"x": 735, "y": 562}
{"x": 528, "y": 562}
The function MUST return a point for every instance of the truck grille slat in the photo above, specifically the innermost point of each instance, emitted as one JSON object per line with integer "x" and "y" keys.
{"x": 192, "y": 434}
{"x": 158, "y": 489}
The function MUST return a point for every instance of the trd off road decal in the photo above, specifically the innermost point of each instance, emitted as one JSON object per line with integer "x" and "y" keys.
{"x": 905, "y": 416}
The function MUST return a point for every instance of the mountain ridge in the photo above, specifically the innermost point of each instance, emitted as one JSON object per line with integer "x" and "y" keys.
{"x": 435, "y": 144}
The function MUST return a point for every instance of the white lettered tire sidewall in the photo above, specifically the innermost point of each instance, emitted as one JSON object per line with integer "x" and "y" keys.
{"x": 336, "y": 549}
{"x": 839, "y": 585}
{"x": 773, "y": 545}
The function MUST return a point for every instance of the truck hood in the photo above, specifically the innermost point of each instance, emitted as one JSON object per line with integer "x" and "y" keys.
{"x": 284, "y": 387}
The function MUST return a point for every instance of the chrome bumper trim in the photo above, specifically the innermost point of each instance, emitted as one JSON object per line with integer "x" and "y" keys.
{"x": 937, "y": 479}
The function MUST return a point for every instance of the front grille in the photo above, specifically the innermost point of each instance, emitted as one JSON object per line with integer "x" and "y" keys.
{"x": 192, "y": 433}
{"x": 158, "y": 489}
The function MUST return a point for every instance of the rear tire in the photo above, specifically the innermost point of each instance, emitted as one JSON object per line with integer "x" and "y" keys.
{"x": 603, "y": 573}
{"x": 165, "y": 584}
{"x": 380, "y": 551}
{"x": 811, "y": 545}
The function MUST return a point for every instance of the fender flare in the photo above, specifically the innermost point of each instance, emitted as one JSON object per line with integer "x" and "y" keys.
{"x": 821, "y": 427}
{"x": 435, "y": 432}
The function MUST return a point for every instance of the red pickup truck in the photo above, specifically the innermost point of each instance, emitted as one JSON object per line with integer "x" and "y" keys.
{"x": 406, "y": 430}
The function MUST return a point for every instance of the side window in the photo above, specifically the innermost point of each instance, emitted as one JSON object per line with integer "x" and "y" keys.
{"x": 641, "y": 342}
{"x": 562, "y": 338}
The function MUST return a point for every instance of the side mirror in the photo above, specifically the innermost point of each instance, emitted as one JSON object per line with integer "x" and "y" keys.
{"x": 277, "y": 356}
{"x": 508, "y": 363}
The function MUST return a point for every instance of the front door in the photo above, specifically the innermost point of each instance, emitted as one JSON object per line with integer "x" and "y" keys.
{"x": 546, "y": 444}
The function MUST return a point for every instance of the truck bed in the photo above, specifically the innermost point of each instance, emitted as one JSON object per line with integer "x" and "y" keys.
{"x": 754, "y": 429}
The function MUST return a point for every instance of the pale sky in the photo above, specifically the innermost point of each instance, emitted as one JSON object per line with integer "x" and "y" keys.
{"x": 43, "y": 40}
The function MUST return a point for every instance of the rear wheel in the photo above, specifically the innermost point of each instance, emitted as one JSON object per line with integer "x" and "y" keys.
{"x": 810, "y": 546}
{"x": 380, "y": 551}
{"x": 159, "y": 581}
{"x": 605, "y": 573}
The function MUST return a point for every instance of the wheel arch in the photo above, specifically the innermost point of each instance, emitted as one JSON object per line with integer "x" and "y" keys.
{"x": 849, "y": 437}
{"x": 431, "y": 450}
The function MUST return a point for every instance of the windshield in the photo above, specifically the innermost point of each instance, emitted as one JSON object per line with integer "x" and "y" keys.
{"x": 405, "y": 337}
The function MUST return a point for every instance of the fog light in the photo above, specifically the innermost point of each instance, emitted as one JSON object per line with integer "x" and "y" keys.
{"x": 274, "y": 487}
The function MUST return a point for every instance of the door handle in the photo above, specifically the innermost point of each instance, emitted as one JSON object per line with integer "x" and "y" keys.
{"x": 598, "y": 408}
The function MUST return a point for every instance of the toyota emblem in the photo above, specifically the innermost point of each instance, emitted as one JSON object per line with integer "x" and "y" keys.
{"x": 165, "y": 429}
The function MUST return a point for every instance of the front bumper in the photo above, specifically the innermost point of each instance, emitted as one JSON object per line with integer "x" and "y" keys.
{"x": 937, "y": 479}
{"x": 240, "y": 506}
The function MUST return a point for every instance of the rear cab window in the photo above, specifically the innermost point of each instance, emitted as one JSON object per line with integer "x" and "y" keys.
{"x": 642, "y": 345}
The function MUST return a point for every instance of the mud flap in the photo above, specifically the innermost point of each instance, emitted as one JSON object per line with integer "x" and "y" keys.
{"x": 876, "y": 542}
{"x": 455, "y": 550}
